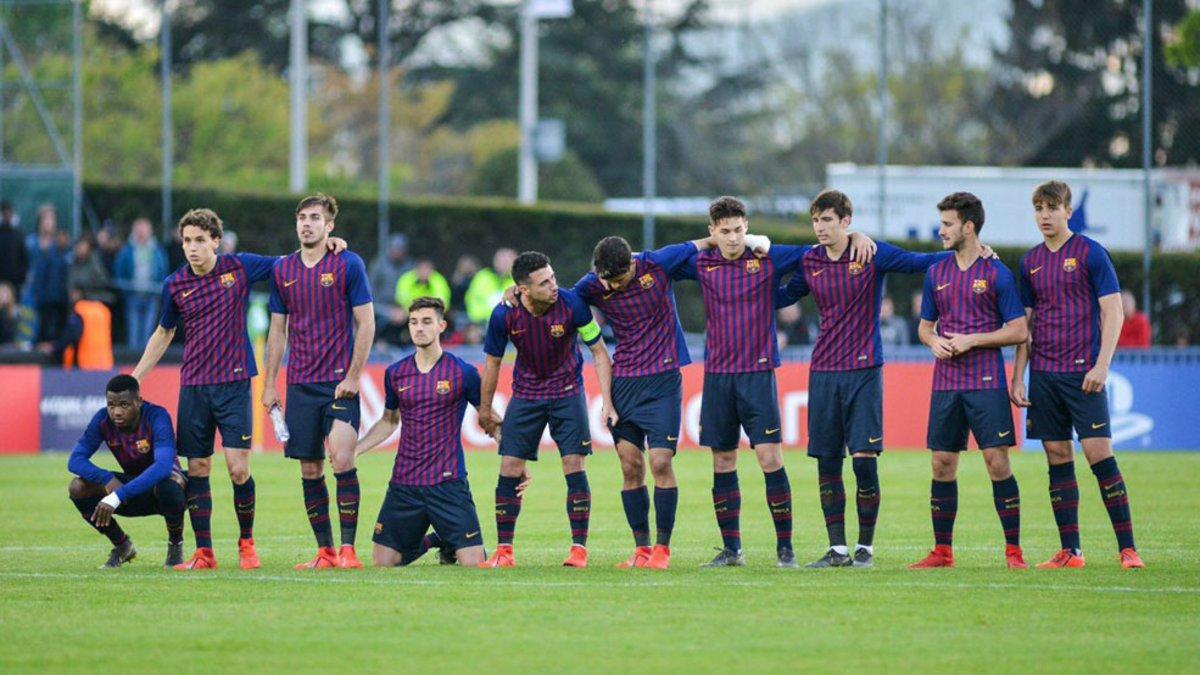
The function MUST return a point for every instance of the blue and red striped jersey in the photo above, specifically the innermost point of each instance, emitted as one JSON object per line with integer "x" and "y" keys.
{"x": 739, "y": 298}
{"x": 1064, "y": 288}
{"x": 643, "y": 316}
{"x": 431, "y": 408}
{"x": 319, "y": 302}
{"x": 848, "y": 295}
{"x": 149, "y": 450}
{"x": 549, "y": 365}
{"x": 980, "y": 299}
{"x": 212, "y": 307}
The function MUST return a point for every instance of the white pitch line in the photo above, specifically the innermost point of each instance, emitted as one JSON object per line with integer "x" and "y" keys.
{"x": 501, "y": 582}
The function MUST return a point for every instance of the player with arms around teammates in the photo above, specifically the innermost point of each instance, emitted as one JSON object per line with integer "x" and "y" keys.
{"x": 426, "y": 394}
{"x": 139, "y": 436}
{"x": 740, "y": 357}
{"x": 1073, "y": 300}
{"x": 547, "y": 390}
{"x": 970, "y": 308}
{"x": 209, "y": 296}
{"x": 321, "y": 307}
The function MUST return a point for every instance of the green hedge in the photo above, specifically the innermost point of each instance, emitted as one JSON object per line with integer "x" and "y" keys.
{"x": 443, "y": 229}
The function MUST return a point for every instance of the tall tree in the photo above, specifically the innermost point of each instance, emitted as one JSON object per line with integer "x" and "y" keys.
{"x": 1068, "y": 86}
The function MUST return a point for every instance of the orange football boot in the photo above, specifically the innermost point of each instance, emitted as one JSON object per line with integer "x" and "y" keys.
{"x": 1015, "y": 558}
{"x": 501, "y": 557}
{"x": 202, "y": 559}
{"x": 940, "y": 556}
{"x": 326, "y": 559}
{"x": 247, "y": 556}
{"x": 1130, "y": 559}
{"x": 348, "y": 559}
{"x": 660, "y": 558}
{"x": 577, "y": 557}
{"x": 1066, "y": 558}
{"x": 641, "y": 556}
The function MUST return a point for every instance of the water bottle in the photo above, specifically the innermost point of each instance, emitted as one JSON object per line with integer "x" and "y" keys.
{"x": 277, "y": 421}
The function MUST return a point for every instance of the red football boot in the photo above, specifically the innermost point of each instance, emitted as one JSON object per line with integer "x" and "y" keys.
{"x": 1130, "y": 559}
{"x": 660, "y": 558}
{"x": 940, "y": 556}
{"x": 247, "y": 556}
{"x": 202, "y": 559}
{"x": 577, "y": 557}
{"x": 501, "y": 557}
{"x": 348, "y": 559}
{"x": 641, "y": 556}
{"x": 1014, "y": 558}
{"x": 326, "y": 559}
{"x": 1066, "y": 558}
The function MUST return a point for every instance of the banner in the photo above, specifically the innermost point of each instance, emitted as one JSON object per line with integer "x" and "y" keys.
{"x": 1152, "y": 405}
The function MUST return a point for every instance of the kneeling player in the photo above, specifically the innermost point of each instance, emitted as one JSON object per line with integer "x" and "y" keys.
{"x": 139, "y": 435}
{"x": 427, "y": 394}
{"x": 969, "y": 311}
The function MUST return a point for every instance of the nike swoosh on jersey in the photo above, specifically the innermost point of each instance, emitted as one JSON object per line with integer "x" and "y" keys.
{"x": 942, "y": 286}
{"x": 401, "y": 390}
{"x": 287, "y": 284}
{"x": 517, "y": 332}
{"x": 1035, "y": 270}
{"x": 711, "y": 268}
{"x": 817, "y": 273}
{"x": 187, "y": 293}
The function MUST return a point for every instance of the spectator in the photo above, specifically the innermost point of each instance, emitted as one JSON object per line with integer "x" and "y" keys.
{"x": 384, "y": 273}
{"x": 87, "y": 273}
{"x": 48, "y": 281}
{"x": 140, "y": 268}
{"x": 487, "y": 286}
{"x": 108, "y": 245}
{"x": 892, "y": 329}
{"x": 464, "y": 271}
{"x": 1135, "y": 332}
{"x": 422, "y": 281}
{"x": 10, "y": 319}
{"x": 914, "y": 319}
{"x": 792, "y": 329}
{"x": 86, "y": 339}
{"x": 229, "y": 242}
{"x": 14, "y": 259}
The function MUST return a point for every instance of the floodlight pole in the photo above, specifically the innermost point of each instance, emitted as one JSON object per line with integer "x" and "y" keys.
{"x": 882, "y": 150}
{"x": 1147, "y": 131}
{"x": 649, "y": 131}
{"x": 77, "y": 117}
{"x": 168, "y": 153}
{"x": 298, "y": 80}
{"x": 385, "y": 117}
{"x": 527, "y": 176}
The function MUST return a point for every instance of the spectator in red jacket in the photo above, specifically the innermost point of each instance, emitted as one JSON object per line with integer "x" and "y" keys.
{"x": 1135, "y": 332}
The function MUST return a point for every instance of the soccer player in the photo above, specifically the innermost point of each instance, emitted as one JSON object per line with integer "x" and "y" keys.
{"x": 426, "y": 394}
{"x": 321, "y": 307}
{"x": 970, "y": 309}
{"x": 547, "y": 389}
{"x": 139, "y": 436}
{"x": 208, "y": 296}
{"x": 845, "y": 382}
{"x": 741, "y": 354}
{"x": 1073, "y": 300}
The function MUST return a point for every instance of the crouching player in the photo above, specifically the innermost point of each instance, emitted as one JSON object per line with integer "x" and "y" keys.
{"x": 426, "y": 394}
{"x": 140, "y": 437}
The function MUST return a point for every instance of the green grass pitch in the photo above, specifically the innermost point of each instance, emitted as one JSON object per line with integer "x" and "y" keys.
{"x": 60, "y": 613}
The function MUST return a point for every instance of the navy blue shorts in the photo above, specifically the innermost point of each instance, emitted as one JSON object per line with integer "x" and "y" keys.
{"x": 309, "y": 412}
{"x": 409, "y": 510}
{"x": 1058, "y": 404}
{"x": 845, "y": 412}
{"x": 525, "y": 420}
{"x": 166, "y": 498}
{"x": 648, "y": 408}
{"x": 205, "y": 408}
{"x": 986, "y": 413}
{"x": 735, "y": 401}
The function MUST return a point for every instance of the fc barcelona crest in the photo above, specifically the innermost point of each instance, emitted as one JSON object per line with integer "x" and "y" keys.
{"x": 143, "y": 446}
{"x": 856, "y": 268}
{"x": 979, "y": 286}
{"x": 753, "y": 266}
{"x": 1070, "y": 264}
{"x": 443, "y": 387}
{"x": 557, "y": 330}
{"x": 646, "y": 280}
{"x": 327, "y": 279}
{"x": 228, "y": 279}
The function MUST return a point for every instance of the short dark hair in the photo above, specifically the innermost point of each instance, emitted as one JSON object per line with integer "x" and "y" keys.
{"x": 123, "y": 383}
{"x": 205, "y": 219}
{"x": 831, "y": 199}
{"x": 611, "y": 257}
{"x": 319, "y": 199}
{"x": 1052, "y": 193}
{"x": 526, "y": 264}
{"x": 968, "y": 207}
{"x": 725, "y": 207}
{"x": 435, "y": 304}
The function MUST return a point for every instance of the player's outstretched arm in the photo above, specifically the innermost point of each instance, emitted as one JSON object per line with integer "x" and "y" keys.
{"x": 364, "y": 335}
{"x": 379, "y": 432}
{"x": 1112, "y": 317}
{"x": 276, "y": 339}
{"x": 488, "y": 419}
{"x": 156, "y": 346}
